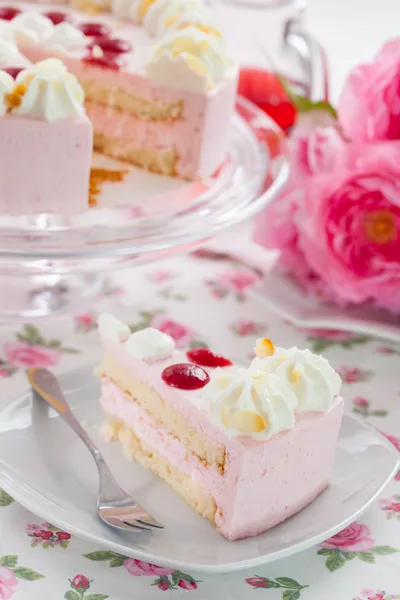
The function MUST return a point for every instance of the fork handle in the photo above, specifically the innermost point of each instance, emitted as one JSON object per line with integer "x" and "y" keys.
{"x": 46, "y": 385}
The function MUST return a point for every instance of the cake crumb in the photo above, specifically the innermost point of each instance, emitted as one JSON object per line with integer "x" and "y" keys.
{"x": 100, "y": 175}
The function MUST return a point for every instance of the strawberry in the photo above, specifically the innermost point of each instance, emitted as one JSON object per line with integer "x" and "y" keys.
{"x": 266, "y": 91}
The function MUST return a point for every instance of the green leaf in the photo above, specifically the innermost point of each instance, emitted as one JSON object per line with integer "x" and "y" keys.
{"x": 10, "y": 560}
{"x": 335, "y": 561}
{"x": 384, "y": 550}
{"x": 71, "y": 595}
{"x": 367, "y": 557}
{"x": 27, "y": 574}
{"x": 287, "y": 582}
{"x": 5, "y": 499}
{"x": 63, "y": 544}
{"x": 325, "y": 552}
{"x": 118, "y": 561}
{"x": 54, "y": 344}
{"x": 102, "y": 555}
{"x": 349, "y": 555}
{"x": 96, "y": 597}
{"x": 304, "y": 104}
{"x": 45, "y": 545}
{"x": 379, "y": 413}
{"x": 197, "y": 344}
{"x": 69, "y": 350}
{"x": 291, "y": 595}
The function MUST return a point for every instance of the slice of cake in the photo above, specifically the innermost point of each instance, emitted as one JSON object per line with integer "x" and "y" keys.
{"x": 246, "y": 447}
{"x": 160, "y": 86}
{"x": 45, "y": 142}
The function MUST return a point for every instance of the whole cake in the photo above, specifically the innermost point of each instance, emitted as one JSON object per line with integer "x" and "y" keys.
{"x": 246, "y": 447}
{"x": 159, "y": 84}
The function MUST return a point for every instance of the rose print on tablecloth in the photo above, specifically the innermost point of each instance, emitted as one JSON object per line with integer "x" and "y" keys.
{"x": 5, "y": 499}
{"x": 366, "y": 594}
{"x": 163, "y": 577}
{"x": 391, "y": 507}
{"x": 11, "y": 572}
{"x": 183, "y": 336}
{"x": 354, "y": 541}
{"x": 232, "y": 282}
{"x": 86, "y": 322}
{"x": 47, "y": 536}
{"x": 361, "y": 406}
{"x": 396, "y": 443}
{"x": 291, "y": 588}
{"x": 31, "y": 349}
{"x": 78, "y": 586}
{"x": 243, "y": 328}
{"x": 354, "y": 374}
{"x": 322, "y": 339}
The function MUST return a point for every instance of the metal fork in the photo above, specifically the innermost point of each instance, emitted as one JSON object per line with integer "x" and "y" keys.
{"x": 114, "y": 506}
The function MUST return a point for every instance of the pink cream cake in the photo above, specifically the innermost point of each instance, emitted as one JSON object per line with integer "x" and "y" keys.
{"x": 45, "y": 137}
{"x": 159, "y": 84}
{"x": 246, "y": 448}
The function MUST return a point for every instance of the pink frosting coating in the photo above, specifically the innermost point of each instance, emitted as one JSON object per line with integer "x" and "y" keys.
{"x": 33, "y": 181}
{"x": 264, "y": 482}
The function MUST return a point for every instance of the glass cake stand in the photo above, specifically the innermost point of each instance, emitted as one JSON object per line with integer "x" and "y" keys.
{"x": 50, "y": 265}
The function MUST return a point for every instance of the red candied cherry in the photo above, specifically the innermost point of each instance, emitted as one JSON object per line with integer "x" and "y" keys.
{"x": 63, "y": 535}
{"x": 185, "y": 376}
{"x": 13, "y": 71}
{"x": 56, "y": 17}
{"x": 9, "y": 12}
{"x": 206, "y": 358}
{"x": 94, "y": 29}
{"x": 112, "y": 45}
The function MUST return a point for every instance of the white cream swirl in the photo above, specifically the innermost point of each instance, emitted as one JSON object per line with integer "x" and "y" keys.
{"x": 189, "y": 60}
{"x": 150, "y": 345}
{"x": 111, "y": 328}
{"x": 309, "y": 376}
{"x": 10, "y": 56}
{"x": 65, "y": 38}
{"x": 30, "y": 28}
{"x": 52, "y": 93}
{"x": 187, "y": 14}
{"x": 6, "y": 33}
{"x": 132, "y": 9}
{"x": 6, "y": 87}
{"x": 253, "y": 404}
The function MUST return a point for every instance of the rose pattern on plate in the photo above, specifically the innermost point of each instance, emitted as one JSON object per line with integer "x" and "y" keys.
{"x": 354, "y": 374}
{"x": 78, "y": 586}
{"x": 246, "y": 327}
{"x": 291, "y": 588}
{"x": 355, "y": 541}
{"x": 361, "y": 406}
{"x": 163, "y": 577}
{"x": 391, "y": 506}
{"x": 159, "y": 276}
{"x": 47, "y": 536}
{"x": 367, "y": 594}
{"x": 11, "y": 572}
{"x": 322, "y": 339}
{"x": 386, "y": 350}
{"x": 30, "y": 349}
{"x": 232, "y": 282}
{"x": 396, "y": 443}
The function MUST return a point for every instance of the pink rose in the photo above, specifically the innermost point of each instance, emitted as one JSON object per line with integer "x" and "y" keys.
{"x": 32, "y": 528}
{"x": 395, "y": 440}
{"x": 180, "y": 334}
{"x": 7, "y": 582}
{"x": 139, "y": 568}
{"x": 187, "y": 585}
{"x": 355, "y": 538}
{"x": 80, "y": 582}
{"x": 369, "y": 107}
{"x": 25, "y": 356}
{"x": 361, "y": 402}
{"x": 349, "y": 228}
{"x": 316, "y": 145}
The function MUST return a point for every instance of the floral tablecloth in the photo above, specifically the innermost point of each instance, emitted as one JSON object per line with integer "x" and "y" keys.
{"x": 201, "y": 299}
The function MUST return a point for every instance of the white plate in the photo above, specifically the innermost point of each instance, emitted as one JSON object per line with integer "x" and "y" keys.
{"x": 46, "y": 468}
{"x": 285, "y": 298}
